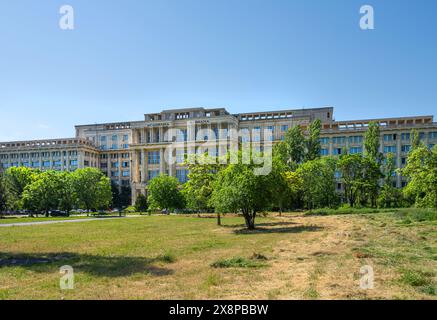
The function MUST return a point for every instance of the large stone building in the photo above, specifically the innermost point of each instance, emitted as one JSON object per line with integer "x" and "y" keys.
{"x": 132, "y": 153}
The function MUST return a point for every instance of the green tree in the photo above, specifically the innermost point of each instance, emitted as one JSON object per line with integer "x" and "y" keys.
{"x": 292, "y": 149}
{"x": 415, "y": 139}
{"x": 66, "y": 192}
{"x": 164, "y": 193}
{"x": 16, "y": 180}
{"x": 389, "y": 196}
{"x": 92, "y": 188}
{"x": 350, "y": 169}
{"x": 313, "y": 141}
{"x": 372, "y": 142}
{"x": 198, "y": 189}
{"x": 141, "y": 204}
{"x": 121, "y": 196}
{"x": 42, "y": 195}
{"x": 238, "y": 188}
{"x": 3, "y": 195}
{"x": 319, "y": 185}
{"x": 421, "y": 170}
{"x": 283, "y": 193}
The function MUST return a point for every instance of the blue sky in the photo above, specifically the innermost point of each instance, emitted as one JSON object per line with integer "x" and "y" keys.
{"x": 127, "y": 58}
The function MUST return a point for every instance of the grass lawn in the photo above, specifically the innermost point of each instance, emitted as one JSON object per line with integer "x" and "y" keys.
{"x": 295, "y": 256}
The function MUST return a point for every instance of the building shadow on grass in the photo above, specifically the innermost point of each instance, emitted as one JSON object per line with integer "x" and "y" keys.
{"x": 95, "y": 265}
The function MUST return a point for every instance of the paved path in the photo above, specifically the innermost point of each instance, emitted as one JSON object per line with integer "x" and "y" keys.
{"x": 23, "y": 224}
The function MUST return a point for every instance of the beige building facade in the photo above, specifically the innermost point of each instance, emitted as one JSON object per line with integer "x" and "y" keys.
{"x": 133, "y": 153}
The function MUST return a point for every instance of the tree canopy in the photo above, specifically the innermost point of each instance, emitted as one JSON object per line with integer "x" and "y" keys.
{"x": 164, "y": 193}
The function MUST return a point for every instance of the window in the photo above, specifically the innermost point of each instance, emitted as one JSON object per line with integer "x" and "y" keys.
{"x": 114, "y": 137}
{"x": 46, "y": 164}
{"x": 432, "y": 135}
{"x": 125, "y": 146}
{"x": 73, "y": 162}
{"x": 256, "y": 133}
{"x": 180, "y": 156}
{"x": 389, "y": 149}
{"x": 114, "y": 164}
{"x": 406, "y": 148}
{"x": 324, "y": 152}
{"x": 405, "y": 136}
{"x": 125, "y": 137}
{"x": 152, "y": 174}
{"x": 324, "y": 140}
{"x": 216, "y": 133}
{"x": 35, "y": 164}
{"x": 284, "y": 127}
{"x": 337, "y": 151}
{"x": 114, "y": 146}
{"x": 125, "y": 164}
{"x": 181, "y": 135}
{"x": 181, "y": 175}
{"x": 153, "y": 157}
{"x": 57, "y": 163}
{"x": 389, "y": 137}
{"x": 403, "y": 161}
{"x": 355, "y": 150}
{"x": 245, "y": 135}
{"x": 355, "y": 139}
{"x": 338, "y": 140}
{"x": 103, "y": 139}
{"x": 126, "y": 173}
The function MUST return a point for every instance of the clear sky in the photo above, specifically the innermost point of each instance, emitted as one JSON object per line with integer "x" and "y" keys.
{"x": 126, "y": 58}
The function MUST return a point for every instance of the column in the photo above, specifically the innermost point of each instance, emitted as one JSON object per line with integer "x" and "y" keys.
{"x": 161, "y": 161}
{"x": 143, "y": 166}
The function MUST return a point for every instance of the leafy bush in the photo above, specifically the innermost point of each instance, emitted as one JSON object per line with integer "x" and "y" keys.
{"x": 141, "y": 204}
{"x": 130, "y": 209}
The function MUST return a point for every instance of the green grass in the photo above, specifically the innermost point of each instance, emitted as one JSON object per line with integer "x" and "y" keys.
{"x": 186, "y": 257}
{"x": 416, "y": 215}
{"x": 420, "y": 280}
{"x": 238, "y": 262}
{"x": 346, "y": 210}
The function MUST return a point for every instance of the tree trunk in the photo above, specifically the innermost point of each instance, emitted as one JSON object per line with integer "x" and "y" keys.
{"x": 250, "y": 220}
{"x": 219, "y": 220}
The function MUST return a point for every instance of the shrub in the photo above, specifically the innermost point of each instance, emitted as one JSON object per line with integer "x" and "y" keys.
{"x": 141, "y": 204}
